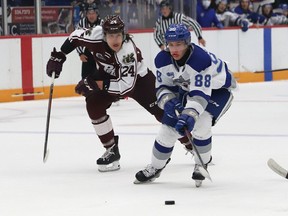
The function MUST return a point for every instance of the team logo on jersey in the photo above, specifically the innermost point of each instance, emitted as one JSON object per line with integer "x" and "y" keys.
{"x": 88, "y": 31}
{"x": 128, "y": 58}
{"x": 100, "y": 56}
{"x": 108, "y": 68}
{"x": 170, "y": 74}
{"x": 182, "y": 82}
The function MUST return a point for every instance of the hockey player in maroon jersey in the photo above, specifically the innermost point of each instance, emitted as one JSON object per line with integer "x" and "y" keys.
{"x": 121, "y": 73}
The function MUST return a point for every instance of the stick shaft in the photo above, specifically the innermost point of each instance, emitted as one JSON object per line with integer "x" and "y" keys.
{"x": 48, "y": 117}
{"x": 198, "y": 154}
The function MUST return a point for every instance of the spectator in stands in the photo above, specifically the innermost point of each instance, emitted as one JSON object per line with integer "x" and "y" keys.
{"x": 167, "y": 17}
{"x": 57, "y": 2}
{"x": 82, "y": 4}
{"x": 106, "y": 7}
{"x": 284, "y": 8}
{"x": 206, "y": 15}
{"x": 244, "y": 9}
{"x": 14, "y": 3}
{"x": 91, "y": 20}
{"x": 132, "y": 15}
{"x": 229, "y": 18}
{"x": 272, "y": 18}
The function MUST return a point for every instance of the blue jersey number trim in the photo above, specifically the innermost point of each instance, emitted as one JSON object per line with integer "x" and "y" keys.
{"x": 201, "y": 80}
{"x": 215, "y": 60}
{"x": 158, "y": 76}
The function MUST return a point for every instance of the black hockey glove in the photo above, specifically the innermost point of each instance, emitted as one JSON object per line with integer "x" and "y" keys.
{"x": 55, "y": 63}
{"x": 86, "y": 86}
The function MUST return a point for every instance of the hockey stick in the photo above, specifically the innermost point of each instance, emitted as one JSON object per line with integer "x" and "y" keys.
{"x": 277, "y": 168}
{"x": 203, "y": 170}
{"x": 46, "y": 151}
{"x": 254, "y": 71}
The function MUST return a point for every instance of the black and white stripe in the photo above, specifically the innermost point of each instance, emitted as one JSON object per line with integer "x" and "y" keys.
{"x": 163, "y": 23}
{"x": 84, "y": 23}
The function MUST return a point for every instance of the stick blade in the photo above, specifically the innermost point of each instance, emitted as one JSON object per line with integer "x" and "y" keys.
{"x": 205, "y": 173}
{"x": 277, "y": 168}
{"x": 45, "y": 156}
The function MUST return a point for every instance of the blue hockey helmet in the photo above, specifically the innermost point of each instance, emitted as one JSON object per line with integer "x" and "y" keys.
{"x": 178, "y": 32}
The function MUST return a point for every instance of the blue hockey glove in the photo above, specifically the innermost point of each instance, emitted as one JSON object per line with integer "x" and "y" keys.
{"x": 244, "y": 25}
{"x": 184, "y": 122}
{"x": 172, "y": 105}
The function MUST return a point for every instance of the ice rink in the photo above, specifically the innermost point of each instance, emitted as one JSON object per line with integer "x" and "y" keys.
{"x": 252, "y": 131}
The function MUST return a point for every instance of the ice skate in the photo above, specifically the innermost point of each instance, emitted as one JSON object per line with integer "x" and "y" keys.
{"x": 210, "y": 162}
{"x": 149, "y": 174}
{"x": 109, "y": 161}
{"x": 197, "y": 176}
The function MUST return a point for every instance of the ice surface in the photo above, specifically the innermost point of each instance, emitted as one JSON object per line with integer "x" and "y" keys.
{"x": 252, "y": 131}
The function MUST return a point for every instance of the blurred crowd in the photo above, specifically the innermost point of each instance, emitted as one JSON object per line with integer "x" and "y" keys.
{"x": 231, "y": 13}
{"x": 139, "y": 14}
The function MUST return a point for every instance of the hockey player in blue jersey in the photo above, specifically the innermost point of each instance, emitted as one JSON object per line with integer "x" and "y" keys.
{"x": 194, "y": 90}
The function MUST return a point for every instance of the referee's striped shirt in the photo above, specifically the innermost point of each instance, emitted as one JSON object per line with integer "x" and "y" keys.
{"x": 163, "y": 23}
{"x": 84, "y": 23}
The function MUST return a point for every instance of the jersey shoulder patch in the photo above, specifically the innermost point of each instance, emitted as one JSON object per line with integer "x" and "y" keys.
{"x": 162, "y": 59}
{"x": 199, "y": 59}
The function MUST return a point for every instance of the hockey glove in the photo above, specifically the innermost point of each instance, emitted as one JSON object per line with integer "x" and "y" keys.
{"x": 171, "y": 106}
{"x": 184, "y": 122}
{"x": 244, "y": 25}
{"x": 220, "y": 25}
{"x": 55, "y": 63}
{"x": 86, "y": 86}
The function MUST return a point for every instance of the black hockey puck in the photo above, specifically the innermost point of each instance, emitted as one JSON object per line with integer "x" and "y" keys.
{"x": 169, "y": 202}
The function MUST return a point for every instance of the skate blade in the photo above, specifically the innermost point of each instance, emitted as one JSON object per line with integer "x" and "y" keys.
{"x": 205, "y": 173}
{"x": 109, "y": 167}
{"x": 45, "y": 158}
{"x": 136, "y": 181}
{"x": 198, "y": 183}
